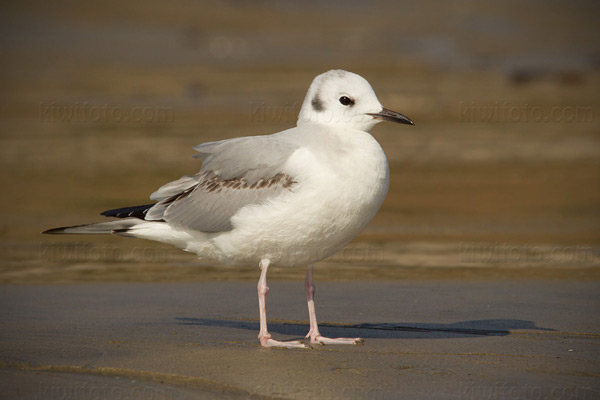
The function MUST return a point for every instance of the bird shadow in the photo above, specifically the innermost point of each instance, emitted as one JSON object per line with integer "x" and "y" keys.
{"x": 463, "y": 329}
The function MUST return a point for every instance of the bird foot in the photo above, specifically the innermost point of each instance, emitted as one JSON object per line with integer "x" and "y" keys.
{"x": 318, "y": 339}
{"x": 266, "y": 341}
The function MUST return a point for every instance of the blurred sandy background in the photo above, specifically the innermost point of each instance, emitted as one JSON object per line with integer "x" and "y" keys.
{"x": 101, "y": 103}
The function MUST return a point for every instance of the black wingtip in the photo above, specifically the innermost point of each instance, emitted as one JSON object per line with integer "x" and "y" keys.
{"x": 63, "y": 230}
{"x": 127, "y": 212}
{"x": 54, "y": 231}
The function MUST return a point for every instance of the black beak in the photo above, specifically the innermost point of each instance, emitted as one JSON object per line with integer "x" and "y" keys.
{"x": 389, "y": 115}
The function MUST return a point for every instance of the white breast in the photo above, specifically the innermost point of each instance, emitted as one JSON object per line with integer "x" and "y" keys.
{"x": 341, "y": 186}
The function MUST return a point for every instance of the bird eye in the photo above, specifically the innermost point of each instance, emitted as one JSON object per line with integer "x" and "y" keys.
{"x": 346, "y": 101}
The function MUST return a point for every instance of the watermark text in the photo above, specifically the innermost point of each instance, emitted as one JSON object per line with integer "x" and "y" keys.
{"x": 509, "y": 112}
{"x": 83, "y": 112}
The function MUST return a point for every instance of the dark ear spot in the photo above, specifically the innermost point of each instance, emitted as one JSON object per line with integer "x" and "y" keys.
{"x": 317, "y": 104}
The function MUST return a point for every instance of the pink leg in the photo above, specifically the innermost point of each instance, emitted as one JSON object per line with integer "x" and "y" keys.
{"x": 315, "y": 336}
{"x": 264, "y": 336}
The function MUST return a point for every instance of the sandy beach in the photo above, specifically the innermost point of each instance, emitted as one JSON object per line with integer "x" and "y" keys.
{"x": 434, "y": 339}
{"x": 479, "y": 278}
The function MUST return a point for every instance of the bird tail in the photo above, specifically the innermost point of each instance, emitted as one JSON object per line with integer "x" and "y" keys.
{"x": 102, "y": 228}
{"x": 131, "y": 227}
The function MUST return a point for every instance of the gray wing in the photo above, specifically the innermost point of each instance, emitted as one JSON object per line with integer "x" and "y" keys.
{"x": 235, "y": 173}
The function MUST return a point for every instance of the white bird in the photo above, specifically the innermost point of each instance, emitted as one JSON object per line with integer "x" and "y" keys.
{"x": 291, "y": 198}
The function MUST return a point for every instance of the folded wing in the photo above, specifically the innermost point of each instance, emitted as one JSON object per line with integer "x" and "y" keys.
{"x": 235, "y": 173}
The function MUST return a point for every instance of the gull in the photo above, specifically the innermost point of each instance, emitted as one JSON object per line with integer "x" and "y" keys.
{"x": 288, "y": 199}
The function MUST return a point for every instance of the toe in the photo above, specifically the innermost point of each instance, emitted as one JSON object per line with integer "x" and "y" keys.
{"x": 293, "y": 344}
{"x": 326, "y": 340}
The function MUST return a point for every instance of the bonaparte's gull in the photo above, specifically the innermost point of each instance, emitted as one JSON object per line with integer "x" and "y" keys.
{"x": 288, "y": 199}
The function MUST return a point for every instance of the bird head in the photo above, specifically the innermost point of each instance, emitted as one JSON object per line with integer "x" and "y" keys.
{"x": 343, "y": 99}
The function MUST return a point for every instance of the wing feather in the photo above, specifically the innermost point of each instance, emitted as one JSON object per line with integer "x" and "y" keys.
{"x": 235, "y": 173}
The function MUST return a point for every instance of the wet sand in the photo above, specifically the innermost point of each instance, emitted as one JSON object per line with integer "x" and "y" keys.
{"x": 477, "y": 279}
{"x": 485, "y": 220}
{"x": 434, "y": 339}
